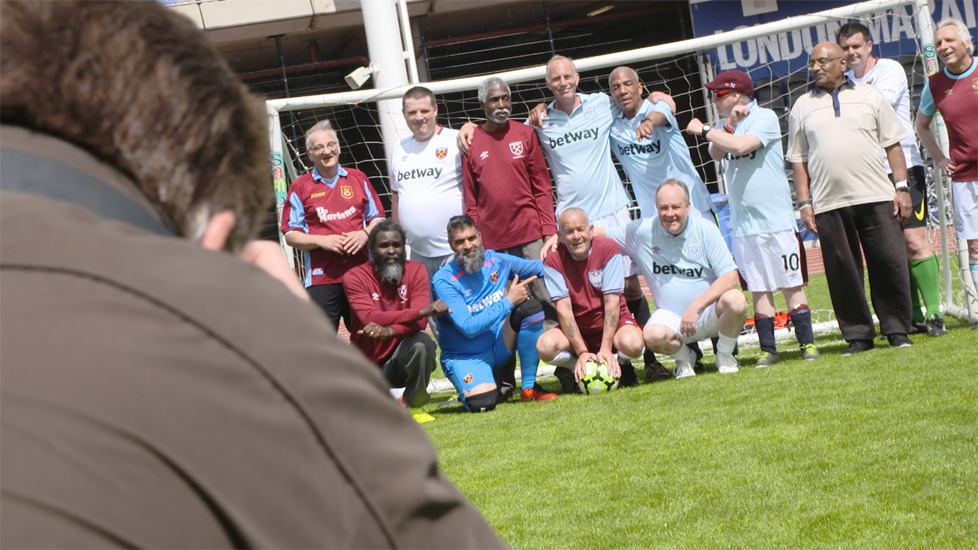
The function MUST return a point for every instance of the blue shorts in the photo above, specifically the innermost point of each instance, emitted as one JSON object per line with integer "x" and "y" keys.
{"x": 468, "y": 371}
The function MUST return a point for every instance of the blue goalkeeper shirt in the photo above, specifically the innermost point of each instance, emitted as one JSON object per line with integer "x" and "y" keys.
{"x": 576, "y": 147}
{"x": 478, "y": 301}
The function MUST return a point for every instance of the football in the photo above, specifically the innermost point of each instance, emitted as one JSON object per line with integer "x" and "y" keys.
{"x": 597, "y": 379}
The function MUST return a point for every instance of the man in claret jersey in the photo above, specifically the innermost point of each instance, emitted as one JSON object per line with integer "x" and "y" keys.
{"x": 954, "y": 92}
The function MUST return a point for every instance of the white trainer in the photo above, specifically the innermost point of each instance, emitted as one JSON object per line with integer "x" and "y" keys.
{"x": 684, "y": 363}
{"x": 727, "y": 363}
{"x": 683, "y": 369}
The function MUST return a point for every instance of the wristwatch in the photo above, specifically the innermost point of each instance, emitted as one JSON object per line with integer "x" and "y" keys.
{"x": 902, "y": 186}
{"x": 706, "y": 129}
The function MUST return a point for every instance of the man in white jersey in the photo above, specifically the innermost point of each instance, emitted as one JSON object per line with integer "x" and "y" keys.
{"x": 653, "y": 159}
{"x": 764, "y": 236}
{"x": 692, "y": 277}
{"x": 888, "y": 77}
{"x": 426, "y": 181}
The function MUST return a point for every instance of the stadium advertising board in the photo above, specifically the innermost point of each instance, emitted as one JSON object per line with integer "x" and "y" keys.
{"x": 784, "y": 53}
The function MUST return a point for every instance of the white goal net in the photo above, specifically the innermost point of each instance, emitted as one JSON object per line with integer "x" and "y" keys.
{"x": 774, "y": 54}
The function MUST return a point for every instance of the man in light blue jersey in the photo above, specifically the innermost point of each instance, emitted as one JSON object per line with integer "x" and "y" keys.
{"x": 764, "y": 235}
{"x": 574, "y": 135}
{"x": 648, "y": 161}
{"x": 584, "y": 169}
{"x": 692, "y": 277}
{"x": 487, "y": 323}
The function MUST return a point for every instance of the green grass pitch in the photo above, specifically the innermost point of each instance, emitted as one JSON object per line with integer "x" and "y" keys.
{"x": 878, "y": 450}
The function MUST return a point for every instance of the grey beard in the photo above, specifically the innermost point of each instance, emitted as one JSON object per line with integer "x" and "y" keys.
{"x": 390, "y": 274}
{"x": 499, "y": 116}
{"x": 472, "y": 264}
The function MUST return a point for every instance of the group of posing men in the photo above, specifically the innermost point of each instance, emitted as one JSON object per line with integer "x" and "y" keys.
{"x": 491, "y": 262}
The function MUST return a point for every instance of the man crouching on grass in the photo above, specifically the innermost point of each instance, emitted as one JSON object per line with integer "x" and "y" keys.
{"x": 585, "y": 278}
{"x": 487, "y": 323}
{"x": 692, "y": 277}
{"x": 389, "y": 302}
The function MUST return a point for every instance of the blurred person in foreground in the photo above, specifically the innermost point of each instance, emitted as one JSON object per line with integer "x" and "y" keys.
{"x": 157, "y": 390}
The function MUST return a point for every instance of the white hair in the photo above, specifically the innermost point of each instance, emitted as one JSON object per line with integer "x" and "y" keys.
{"x": 319, "y": 127}
{"x": 557, "y": 58}
{"x": 963, "y": 32}
{"x": 490, "y": 82}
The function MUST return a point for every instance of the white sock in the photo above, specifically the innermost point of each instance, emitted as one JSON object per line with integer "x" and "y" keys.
{"x": 564, "y": 359}
{"x": 621, "y": 355}
{"x": 726, "y": 344}
{"x": 397, "y": 392}
{"x": 684, "y": 354}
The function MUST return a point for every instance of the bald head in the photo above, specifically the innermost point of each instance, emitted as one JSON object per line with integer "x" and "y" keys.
{"x": 827, "y": 48}
{"x": 624, "y": 72}
{"x": 828, "y": 65}
{"x": 574, "y": 232}
{"x": 572, "y": 215}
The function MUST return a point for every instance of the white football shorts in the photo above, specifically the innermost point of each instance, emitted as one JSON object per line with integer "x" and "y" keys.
{"x": 965, "y": 198}
{"x": 769, "y": 261}
{"x": 707, "y": 325}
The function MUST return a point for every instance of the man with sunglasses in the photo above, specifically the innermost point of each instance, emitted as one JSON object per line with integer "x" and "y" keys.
{"x": 835, "y": 133}
{"x": 763, "y": 231}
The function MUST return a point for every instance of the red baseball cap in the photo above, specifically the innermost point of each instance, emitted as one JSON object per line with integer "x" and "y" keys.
{"x": 737, "y": 81}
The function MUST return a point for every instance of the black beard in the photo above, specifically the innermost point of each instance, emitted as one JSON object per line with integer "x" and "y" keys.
{"x": 390, "y": 273}
{"x": 471, "y": 264}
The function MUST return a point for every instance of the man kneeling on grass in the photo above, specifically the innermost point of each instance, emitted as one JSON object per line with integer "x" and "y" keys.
{"x": 487, "y": 323}
{"x": 585, "y": 278}
{"x": 390, "y": 304}
{"x": 692, "y": 277}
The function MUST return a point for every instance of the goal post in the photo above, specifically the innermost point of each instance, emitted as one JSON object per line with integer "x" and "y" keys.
{"x": 679, "y": 68}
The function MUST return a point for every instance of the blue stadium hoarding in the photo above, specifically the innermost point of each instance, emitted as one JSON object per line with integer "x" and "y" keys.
{"x": 781, "y": 54}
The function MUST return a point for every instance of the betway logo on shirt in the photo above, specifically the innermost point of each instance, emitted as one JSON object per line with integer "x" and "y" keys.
{"x": 572, "y": 137}
{"x": 325, "y": 216}
{"x": 751, "y": 155}
{"x": 652, "y": 148}
{"x": 690, "y": 272}
{"x": 486, "y": 302}
{"x": 419, "y": 173}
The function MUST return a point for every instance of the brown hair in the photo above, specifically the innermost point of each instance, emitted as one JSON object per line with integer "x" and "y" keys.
{"x": 138, "y": 86}
{"x": 418, "y": 92}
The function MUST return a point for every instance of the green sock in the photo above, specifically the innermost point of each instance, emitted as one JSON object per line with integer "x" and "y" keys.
{"x": 926, "y": 275}
{"x": 918, "y": 314}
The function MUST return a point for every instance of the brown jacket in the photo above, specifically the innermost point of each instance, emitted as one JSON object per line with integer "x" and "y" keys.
{"x": 156, "y": 394}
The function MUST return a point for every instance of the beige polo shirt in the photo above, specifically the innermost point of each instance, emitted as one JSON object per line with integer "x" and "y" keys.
{"x": 843, "y": 149}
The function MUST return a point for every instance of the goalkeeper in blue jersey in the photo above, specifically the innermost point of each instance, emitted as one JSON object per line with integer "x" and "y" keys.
{"x": 488, "y": 322}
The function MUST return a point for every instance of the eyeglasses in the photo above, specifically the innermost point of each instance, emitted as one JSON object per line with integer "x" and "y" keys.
{"x": 822, "y": 62}
{"x": 332, "y": 146}
{"x": 717, "y": 94}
